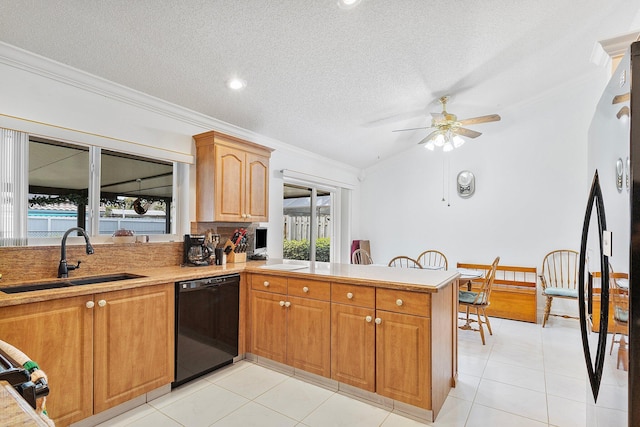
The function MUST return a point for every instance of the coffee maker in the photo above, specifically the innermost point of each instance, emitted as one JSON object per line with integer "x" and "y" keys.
{"x": 196, "y": 251}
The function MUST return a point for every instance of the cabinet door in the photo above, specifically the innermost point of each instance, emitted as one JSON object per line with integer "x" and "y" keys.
{"x": 268, "y": 325}
{"x": 257, "y": 188}
{"x": 353, "y": 346}
{"x": 403, "y": 360}
{"x": 57, "y": 334}
{"x": 229, "y": 184}
{"x": 133, "y": 342}
{"x": 309, "y": 335}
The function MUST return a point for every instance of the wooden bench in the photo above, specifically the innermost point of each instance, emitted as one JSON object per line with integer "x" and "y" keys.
{"x": 514, "y": 295}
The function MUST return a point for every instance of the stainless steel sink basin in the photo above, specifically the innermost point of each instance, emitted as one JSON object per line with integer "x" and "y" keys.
{"x": 103, "y": 279}
{"x": 34, "y": 287}
{"x": 67, "y": 283}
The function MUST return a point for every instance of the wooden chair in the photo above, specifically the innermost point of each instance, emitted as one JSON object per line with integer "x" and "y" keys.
{"x": 360, "y": 256}
{"x": 559, "y": 279}
{"x": 479, "y": 301}
{"x": 404, "y": 262}
{"x": 620, "y": 298}
{"x": 433, "y": 259}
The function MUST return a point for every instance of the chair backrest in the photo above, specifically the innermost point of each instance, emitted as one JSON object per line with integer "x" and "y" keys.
{"x": 485, "y": 290}
{"x": 560, "y": 269}
{"x": 620, "y": 298}
{"x": 433, "y": 258}
{"x": 404, "y": 262}
{"x": 361, "y": 256}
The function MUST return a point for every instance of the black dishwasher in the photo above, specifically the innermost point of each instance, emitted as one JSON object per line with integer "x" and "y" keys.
{"x": 207, "y": 312}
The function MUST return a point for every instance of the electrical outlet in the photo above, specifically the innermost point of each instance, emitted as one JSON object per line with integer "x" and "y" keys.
{"x": 606, "y": 243}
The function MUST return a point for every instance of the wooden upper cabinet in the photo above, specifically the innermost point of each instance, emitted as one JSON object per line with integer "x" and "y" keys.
{"x": 232, "y": 179}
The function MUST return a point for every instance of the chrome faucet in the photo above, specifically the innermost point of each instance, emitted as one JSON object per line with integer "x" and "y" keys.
{"x": 63, "y": 268}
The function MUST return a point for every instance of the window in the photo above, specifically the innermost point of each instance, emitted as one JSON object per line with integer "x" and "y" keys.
{"x": 135, "y": 194}
{"x": 131, "y": 192}
{"x": 307, "y": 223}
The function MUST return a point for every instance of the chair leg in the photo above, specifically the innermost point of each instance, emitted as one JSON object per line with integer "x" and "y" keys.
{"x": 480, "y": 325}
{"x": 486, "y": 319}
{"x": 613, "y": 340}
{"x": 623, "y": 355}
{"x": 547, "y": 310}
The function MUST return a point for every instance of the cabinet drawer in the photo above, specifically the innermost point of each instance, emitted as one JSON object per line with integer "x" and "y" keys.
{"x": 407, "y": 302}
{"x": 275, "y": 284}
{"x": 310, "y": 289}
{"x": 362, "y": 296}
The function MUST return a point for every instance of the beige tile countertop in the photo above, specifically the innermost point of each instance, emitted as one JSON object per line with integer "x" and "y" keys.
{"x": 372, "y": 275}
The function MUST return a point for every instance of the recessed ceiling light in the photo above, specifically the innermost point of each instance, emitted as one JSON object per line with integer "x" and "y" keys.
{"x": 348, "y": 4}
{"x": 236, "y": 83}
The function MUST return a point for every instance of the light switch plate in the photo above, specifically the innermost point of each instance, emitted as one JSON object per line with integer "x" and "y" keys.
{"x": 606, "y": 243}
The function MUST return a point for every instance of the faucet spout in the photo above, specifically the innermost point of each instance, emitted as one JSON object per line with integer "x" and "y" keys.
{"x": 63, "y": 268}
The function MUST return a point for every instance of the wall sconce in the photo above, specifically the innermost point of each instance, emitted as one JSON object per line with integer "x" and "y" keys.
{"x": 623, "y": 113}
{"x": 619, "y": 174}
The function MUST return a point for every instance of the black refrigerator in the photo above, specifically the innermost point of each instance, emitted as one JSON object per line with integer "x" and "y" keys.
{"x": 613, "y": 207}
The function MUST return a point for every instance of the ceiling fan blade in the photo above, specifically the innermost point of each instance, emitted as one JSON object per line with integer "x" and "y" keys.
{"x": 468, "y": 133}
{"x": 621, "y": 98}
{"x": 481, "y": 119}
{"x": 428, "y": 137}
{"x": 402, "y": 130}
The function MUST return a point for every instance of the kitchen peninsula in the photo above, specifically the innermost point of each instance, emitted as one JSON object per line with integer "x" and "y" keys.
{"x": 384, "y": 334}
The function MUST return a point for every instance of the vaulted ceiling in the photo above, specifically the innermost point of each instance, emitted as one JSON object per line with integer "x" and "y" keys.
{"x": 328, "y": 79}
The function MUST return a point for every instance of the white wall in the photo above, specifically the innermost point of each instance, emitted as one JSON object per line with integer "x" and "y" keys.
{"x": 531, "y": 187}
{"x": 49, "y": 99}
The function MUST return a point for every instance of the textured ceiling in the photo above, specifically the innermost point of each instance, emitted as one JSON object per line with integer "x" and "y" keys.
{"x": 329, "y": 80}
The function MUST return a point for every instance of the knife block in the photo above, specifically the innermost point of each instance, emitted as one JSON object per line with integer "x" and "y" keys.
{"x": 233, "y": 257}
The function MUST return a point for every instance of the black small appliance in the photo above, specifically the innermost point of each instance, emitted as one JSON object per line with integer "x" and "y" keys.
{"x": 196, "y": 251}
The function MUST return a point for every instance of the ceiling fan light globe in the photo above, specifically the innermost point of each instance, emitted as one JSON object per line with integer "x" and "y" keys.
{"x": 447, "y": 147}
{"x": 439, "y": 140}
{"x": 457, "y": 141}
{"x": 430, "y": 146}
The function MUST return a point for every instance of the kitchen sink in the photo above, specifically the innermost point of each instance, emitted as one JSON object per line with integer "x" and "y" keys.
{"x": 68, "y": 283}
{"x": 103, "y": 279}
{"x": 34, "y": 287}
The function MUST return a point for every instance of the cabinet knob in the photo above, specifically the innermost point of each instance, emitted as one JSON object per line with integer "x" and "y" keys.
{"x": 281, "y": 303}
{"x": 378, "y": 320}
{"x": 90, "y": 304}
{"x": 287, "y": 304}
{"x": 248, "y": 215}
{"x": 266, "y": 284}
{"x": 349, "y": 295}
{"x": 305, "y": 289}
{"x": 102, "y": 303}
{"x": 368, "y": 319}
{"x": 399, "y": 302}
{"x": 243, "y": 215}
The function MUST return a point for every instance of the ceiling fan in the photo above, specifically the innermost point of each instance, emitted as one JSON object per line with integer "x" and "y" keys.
{"x": 449, "y": 130}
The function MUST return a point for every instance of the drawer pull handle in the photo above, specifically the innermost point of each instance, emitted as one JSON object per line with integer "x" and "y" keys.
{"x": 90, "y": 304}
{"x": 281, "y": 303}
{"x": 305, "y": 289}
{"x": 349, "y": 295}
{"x": 378, "y": 320}
{"x": 399, "y": 302}
{"x": 266, "y": 284}
{"x": 102, "y": 303}
{"x": 287, "y": 304}
{"x": 368, "y": 319}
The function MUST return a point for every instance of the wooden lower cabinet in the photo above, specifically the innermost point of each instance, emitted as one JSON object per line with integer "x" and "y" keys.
{"x": 133, "y": 343}
{"x": 97, "y": 350}
{"x": 269, "y": 326}
{"x": 353, "y": 346}
{"x": 58, "y": 335}
{"x": 309, "y": 335}
{"x": 403, "y": 365}
{"x": 290, "y": 329}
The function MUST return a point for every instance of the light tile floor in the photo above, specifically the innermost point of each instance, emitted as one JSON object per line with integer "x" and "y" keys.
{"x": 524, "y": 376}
